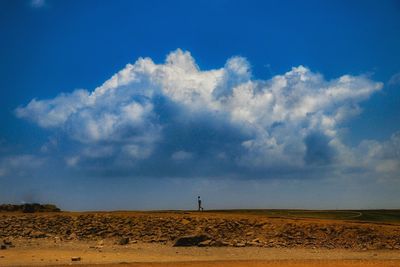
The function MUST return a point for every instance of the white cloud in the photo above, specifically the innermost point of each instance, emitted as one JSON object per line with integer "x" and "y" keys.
{"x": 291, "y": 120}
{"x": 72, "y": 161}
{"x": 50, "y": 145}
{"x": 54, "y": 112}
{"x": 181, "y": 155}
{"x": 381, "y": 157}
{"x": 38, "y": 3}
{"x": 395, "y": 79}
{"x": 137, "y": 152}
{"x": 19, "y": 165}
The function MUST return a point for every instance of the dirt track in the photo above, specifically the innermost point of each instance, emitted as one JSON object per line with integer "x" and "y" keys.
{"x": 46, "y": 252}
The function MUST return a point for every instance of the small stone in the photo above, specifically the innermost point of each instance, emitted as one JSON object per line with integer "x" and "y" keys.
{"x": 254, "y": 244}
{"x": 7, "y": 242}
{"x": 37, "y": 234}
{"x": 72, "y": 236}
{"x": 123, "y": 241}
{"x": 205, "y": 243}
{"x": 265, "y": 227}
{"x": 75, "y": 258}
{"x": 185, "y": 222}
{"x": 219, "y": 243}
{"x": 3, "y": 247}
{"x": 240, "y": 245}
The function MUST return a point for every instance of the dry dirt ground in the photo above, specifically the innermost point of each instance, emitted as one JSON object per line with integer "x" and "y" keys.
{"x": 48, "y": 239}
{"x": 46, "y": 252}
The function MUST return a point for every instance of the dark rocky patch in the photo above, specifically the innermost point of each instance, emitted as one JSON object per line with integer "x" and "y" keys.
{"x": 193, "y": 240}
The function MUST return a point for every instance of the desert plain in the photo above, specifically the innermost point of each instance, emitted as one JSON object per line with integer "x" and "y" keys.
{"x": 292, "y": 238}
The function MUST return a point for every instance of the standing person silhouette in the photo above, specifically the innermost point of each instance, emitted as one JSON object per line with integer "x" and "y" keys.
{"x": 199, "y": 202}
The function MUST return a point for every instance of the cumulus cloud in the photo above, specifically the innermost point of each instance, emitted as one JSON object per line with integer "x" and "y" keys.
{"x": 381, "y": 157}
{"x": 19, "y": 165}
{"x": 153, "y": 118}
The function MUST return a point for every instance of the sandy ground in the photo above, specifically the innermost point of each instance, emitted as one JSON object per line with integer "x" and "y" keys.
{"x": 58, "y": 251}
{"x": 304, "y": 263}
{"x": 50, "y": 253}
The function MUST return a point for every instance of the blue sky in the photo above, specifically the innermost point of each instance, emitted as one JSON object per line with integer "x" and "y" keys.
{"x": 276, "y": 104}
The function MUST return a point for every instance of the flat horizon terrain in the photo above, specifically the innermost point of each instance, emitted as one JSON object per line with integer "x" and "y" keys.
{"x": 367, "y": 215}
{"x": 229, "y": 238}
{"x": 371, "y": 215}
